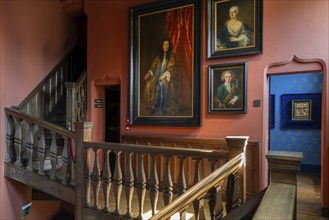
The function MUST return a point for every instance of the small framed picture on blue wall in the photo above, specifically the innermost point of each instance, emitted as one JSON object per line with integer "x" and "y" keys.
{"x": 301, "y": 111}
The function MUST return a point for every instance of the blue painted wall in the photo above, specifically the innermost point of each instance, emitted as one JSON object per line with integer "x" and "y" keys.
{"x": 307, "y": 141}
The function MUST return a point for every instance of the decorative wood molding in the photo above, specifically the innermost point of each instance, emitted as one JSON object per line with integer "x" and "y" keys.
{"x": 300, "y": 65}
{"x": 44, "y": 184}
{"x": 105, "y": 80}
{"x": 73, "y": 8}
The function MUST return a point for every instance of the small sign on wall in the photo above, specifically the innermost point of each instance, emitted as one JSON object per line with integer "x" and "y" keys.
{"x": 99, "y": 103}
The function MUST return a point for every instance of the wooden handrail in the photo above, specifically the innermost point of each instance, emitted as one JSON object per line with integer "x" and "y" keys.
{"x": 47, "y": 78}
{"x": 42, "y": 101}
{"x": 200, "y": 188}
{"x": 36, "y": 121}
{"x": 158, "y": 149}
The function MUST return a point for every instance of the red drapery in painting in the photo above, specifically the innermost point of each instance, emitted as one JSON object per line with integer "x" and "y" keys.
{"x": 180, "y": 30}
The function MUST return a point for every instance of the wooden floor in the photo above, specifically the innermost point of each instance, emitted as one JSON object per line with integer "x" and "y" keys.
{"x": 308, "y": 197}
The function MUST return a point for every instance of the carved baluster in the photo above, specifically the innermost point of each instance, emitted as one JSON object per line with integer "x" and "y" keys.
{"x": 117, "y": 180}
{"x": 129, "y": 183}
{"x": 18, "y": 143}
{"x": 198, "y": 204}
{"x": 181, "y": 188}
{"x": 29, "y": 147}
{"x": 87, "y": 179}
{"x": 35, "y": 156}
{"x": 218, "y": 208}
{"x": 95, "y": 177}
{"x": 82, "y": 101}
{"x": 106, "y": 179}
{"x": 214, "y": 194}
{"x": 70, "y": 105}
{"x": 141, "y": 185}
{"x": 53, "y": 155}
{"x": 154, "y": 184}
{"x": 42, "y": 151}
{"x": 233, "y": 192}
{"x": 78, "y": 105}
{"x": 167, "y": 182}
{"x": 72, "y": 158}
{"x": 66, "y": 161}
{"x": 10, "y": 153}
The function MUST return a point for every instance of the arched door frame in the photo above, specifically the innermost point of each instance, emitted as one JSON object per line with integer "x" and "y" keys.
{"x": 292, "y": 66}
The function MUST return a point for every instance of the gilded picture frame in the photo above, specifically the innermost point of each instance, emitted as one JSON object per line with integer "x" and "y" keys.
{"x": 165, "y": 63}
{"x": 227, "y": 88}
{"x": 301, "y": 111}
{"x": 235, "y": 27}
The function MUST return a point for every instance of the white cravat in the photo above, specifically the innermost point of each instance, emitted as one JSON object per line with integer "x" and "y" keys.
{"x": 228, "y": 87}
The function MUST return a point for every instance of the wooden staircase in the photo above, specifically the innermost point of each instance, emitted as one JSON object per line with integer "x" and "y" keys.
{"x": 50, "y": 149}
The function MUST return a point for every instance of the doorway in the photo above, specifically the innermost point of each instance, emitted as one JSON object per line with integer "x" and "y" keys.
{"x": 112, "y": 114}
{"x": 112, "y": 119}
{"x": 294, "y": 65}
{"x": 287, "y": 132}
{"x": 300, "y": 133}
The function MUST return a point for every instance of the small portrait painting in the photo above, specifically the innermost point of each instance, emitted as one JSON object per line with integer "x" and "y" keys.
{"x": 227, "y": 85}
{"x": 235, "y": 27}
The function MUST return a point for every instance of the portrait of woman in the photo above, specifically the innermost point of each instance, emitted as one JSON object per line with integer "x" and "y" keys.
{"x": 234, "y": 33}
{"x": 234, "y": 27}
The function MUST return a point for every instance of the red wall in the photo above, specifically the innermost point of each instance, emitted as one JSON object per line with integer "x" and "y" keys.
{"x": 291, "y": 28}
{"x": 34, "y": 37}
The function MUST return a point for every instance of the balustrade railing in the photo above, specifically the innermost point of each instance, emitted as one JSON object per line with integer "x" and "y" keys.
{"x": 76, "y": 101}
{"x": 98, "y": 192}
{"x": 42, "y": 100}
{"x": 197, "y": 194}
{"x": 136, "y": 172}
{"x": 27, "y": 148}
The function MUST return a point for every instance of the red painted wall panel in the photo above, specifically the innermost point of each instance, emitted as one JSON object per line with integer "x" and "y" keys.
{"x": 34, "y": 37}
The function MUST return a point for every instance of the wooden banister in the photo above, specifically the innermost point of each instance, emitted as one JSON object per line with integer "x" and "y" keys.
{"x": 36, "y": 121}
{"x": 201, "y": 188}
{"x": 280, "y": 199}
{"x": 33, "y": 162}
{"x": 41, "y": 101}
{"x": 234, "y": 146}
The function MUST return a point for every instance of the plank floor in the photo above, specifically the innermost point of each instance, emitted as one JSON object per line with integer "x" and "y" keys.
{"x": 308, "y": 197}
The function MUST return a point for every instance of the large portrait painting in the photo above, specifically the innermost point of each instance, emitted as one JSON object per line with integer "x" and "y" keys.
{"x": 234, "y": 27}
{"x": 165, "y": 63}
{"x": 227, "y": 88}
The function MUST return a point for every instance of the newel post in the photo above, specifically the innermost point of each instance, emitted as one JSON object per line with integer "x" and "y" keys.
{"x": 83, "y": 133}
{"x": 237, "y": 145}
{"x": 284, "y": 166}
